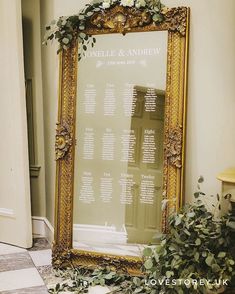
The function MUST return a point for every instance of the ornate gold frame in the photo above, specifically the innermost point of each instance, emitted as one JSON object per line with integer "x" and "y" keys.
{"x": 121, "y": 20}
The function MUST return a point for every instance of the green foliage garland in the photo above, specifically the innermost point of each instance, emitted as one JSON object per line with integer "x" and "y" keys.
{"x": 67, "y": 29}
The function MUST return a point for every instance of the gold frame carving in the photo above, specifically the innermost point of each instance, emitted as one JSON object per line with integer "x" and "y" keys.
{"x": 121, "y": 20}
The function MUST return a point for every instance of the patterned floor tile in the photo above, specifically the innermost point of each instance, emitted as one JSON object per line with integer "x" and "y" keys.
{"x": 48, "y": 275}
{"x": 10, "y": 262}
{"x": 9, "y": 249}
{"x": 20, "y": 279}
{"x": 41, "y": 257}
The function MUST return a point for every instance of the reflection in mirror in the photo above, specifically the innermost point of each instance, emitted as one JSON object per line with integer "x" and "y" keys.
{"x": 119, "y": 152}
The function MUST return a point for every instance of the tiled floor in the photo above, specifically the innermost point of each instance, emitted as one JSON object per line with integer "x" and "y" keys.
{"x": 29, "y": 271}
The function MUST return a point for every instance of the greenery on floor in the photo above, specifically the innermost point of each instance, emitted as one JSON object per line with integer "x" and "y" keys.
{"x": 197, "y": 248}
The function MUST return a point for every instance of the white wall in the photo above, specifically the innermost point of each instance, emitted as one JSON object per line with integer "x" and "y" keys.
{"x": 211, "y": 102}
{"x": 14, "y": 167}
{"x": 211, "y": 99}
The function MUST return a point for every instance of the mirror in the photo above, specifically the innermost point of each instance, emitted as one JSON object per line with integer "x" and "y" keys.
{"x": 119, "y": 153}
{"x": 120, "y": 138}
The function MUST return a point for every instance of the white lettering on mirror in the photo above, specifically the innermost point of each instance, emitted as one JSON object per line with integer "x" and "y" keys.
{"x": 122, "y": 52}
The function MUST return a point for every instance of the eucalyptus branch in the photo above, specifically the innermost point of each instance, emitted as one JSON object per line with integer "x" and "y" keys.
{"x": 67, "y": 30}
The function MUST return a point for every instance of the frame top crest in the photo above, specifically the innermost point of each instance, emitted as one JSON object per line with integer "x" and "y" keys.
{"x": 120, "y": 19}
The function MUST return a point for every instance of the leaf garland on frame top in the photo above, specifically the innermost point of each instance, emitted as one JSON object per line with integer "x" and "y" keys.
{"x": 69, "y": 28}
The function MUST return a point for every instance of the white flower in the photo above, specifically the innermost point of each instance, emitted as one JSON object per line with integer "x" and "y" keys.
{"x": 106, "y": 4}
{"x": 128, "y": 3}
{"x": 140, "y": 3}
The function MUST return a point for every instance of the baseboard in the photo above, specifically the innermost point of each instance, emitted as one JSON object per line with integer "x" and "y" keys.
{"x": 98, "y": 234}
{"x": 82, "y": 233}
{"x": 42, "y": 228}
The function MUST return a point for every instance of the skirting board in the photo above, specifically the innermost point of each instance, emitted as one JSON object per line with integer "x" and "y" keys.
{"x": 42, "y": 228}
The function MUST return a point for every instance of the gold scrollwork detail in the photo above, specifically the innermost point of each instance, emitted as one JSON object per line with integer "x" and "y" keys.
{"x": 124, "y": 19}
{"x": 129, "y": 264}
{"x": 60, "y": 256}
{"x": 173, "y": 146}
{"x": 121, "y": 19}
{"x": 176, "y": 20}
{"x": 63, "y": 141}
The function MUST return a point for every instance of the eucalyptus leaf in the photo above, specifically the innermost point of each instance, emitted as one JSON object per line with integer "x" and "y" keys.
{"x": 197, "y": 256}
{"x": 169, "y": 274}
{"x": 209, "y": 260}
{"x": 65, "y": 41}
{"x": 177, "y": 221}
{"x": 157, "y": 17}
{"x": 196, "y": 194}
{"x": 201, "y": 179}
{"x": 148, "y": 264}
{"x": 198, "y": 242}
{"x": 147, "y": 251}
{"x": 215, "y": 268}
{"x": 137, "y": 281}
